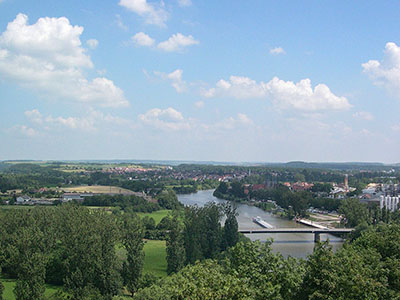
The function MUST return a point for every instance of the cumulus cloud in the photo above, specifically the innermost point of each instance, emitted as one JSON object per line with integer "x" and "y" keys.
{"x": 92, "y": 43}
{"x": 165, "y": 119}
{"x": 237, "y": 87}
{"x": 177, "y": 42}
{"x": 25, "y": 131}
{"x": 386, "y": 73}
{"x": 283, "y": 94}
{"x": 363, "y": 115}
{"x": 152, "y": 13}
{"x": 34, "y": 115}
{"x": 277, "y": 51}
{"x": 301, "y": 96}
{"x": 175, "y": 78}
{"x": 48, "y": 57}
{"x": 142, "y": 39}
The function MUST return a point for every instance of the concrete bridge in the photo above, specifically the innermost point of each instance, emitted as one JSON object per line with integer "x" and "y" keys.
{"x": 316, "y": 231}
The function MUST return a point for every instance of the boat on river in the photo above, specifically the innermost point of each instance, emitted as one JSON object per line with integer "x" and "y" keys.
{"x": 262, "y": 223}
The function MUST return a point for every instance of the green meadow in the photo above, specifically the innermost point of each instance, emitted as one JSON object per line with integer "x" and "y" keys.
{"x": 155, "y": 258}
{"x": 9, "y": 285}
{"x": 156, "y": 215}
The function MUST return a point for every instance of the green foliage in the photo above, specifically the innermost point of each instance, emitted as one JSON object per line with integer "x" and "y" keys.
{"x": 202, "y": 232}
{"x": 202, "y": 281}
{"x": 1, "y": 290}
{"x": 175, "y": 247}
{"x": 167, "y": 199}
{"x": 269, "y": 275}
{"x": 231, "y": 227}
{"x": 321, "y": 188}
{"x": 133, "y": 203}
{"x": 354, "y": 211}
{"x": 66, "y": 244}
{"x": 132, "y": 239}
{"x": 349, "y": 274}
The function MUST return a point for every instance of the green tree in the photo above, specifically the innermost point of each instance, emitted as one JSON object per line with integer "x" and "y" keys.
{"x": 319, "y": 281}
{"x": 175, "y": 247}
{"x": 269, "y": 275}
{"x": 132, "y": 239}
{"x": 168, "y": 199}
{"x": 231, "y": 233}
{"x": 202, "y": 232}
{"x": 354, "y": 211}
{"x": 29, "y": 255}
{"x": 202, "y": 281}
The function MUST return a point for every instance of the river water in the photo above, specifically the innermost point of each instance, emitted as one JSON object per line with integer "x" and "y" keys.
{"x": 293, "y": 244}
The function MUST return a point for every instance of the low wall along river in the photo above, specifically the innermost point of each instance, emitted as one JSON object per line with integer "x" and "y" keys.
{"x": 294, "y": 244}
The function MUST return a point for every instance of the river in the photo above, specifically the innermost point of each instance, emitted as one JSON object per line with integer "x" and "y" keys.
{"x": 293, "y": 244}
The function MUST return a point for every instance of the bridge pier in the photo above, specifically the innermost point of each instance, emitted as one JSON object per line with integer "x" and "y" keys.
{"x": 317, "y": 237}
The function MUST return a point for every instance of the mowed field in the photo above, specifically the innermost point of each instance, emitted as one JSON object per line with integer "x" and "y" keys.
{"x": 9, "y": 285}
{"x": 155, "y": 261}
{"x": 156, "y": 215}
{"x": 98, "y": 189}
{"x": 155, "y": 254}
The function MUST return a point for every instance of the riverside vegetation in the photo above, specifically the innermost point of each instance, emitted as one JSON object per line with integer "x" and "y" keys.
{"x": 75, "y": 248}
{"x": 88, "y": 254}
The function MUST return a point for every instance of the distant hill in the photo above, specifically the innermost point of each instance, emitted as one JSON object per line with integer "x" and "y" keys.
{"x": 21, "y": 166}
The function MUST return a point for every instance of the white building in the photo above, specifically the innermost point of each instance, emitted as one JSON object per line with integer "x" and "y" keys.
{"x": 23, "y": 199}
{"x": 389, "y": 202}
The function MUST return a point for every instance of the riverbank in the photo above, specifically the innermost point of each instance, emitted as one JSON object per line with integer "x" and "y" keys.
{"x": 296, "y": 245}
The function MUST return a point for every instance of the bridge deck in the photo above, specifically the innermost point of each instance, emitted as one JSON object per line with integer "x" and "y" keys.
{"x": 297, "y": 230}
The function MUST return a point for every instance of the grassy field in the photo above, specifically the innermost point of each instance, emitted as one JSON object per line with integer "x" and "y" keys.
{"x": 156, "y": 215}
{"x": 99, "y": 189}
{"x": 155, "y": 258}
{"x": 9, "y": 285}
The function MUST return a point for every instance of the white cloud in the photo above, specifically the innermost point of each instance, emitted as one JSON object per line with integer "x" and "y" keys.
{"x": 301, "y": 96}
{"x": 34, "y": 115}
{"x": 91, "y": 122}
{"x": 387, "y": 72}
{"x": 396, "y": 127}
{"x": 277, "y": 51}
{"x": 283, "y": 94}
{"x": 92, "y": 43}
{"x": 72, "y": 122}
{"x": 237, "y": 87}
{"x": 165, "y": 119}
{"x": 199, "y": 104}
{"x": 25, "y": 130}
{"x": 175, "y": 78}
{"x": 177, "y": 42}
{"x": 184, "y": 3}
{"x": 48, "y": 57}
{"x": 143, "y": 39}
{"x": 152, "y": 13}
{"x": 120, "y": 23}
{"x": 241, "y": 121}
{"x": 363, "y": 115}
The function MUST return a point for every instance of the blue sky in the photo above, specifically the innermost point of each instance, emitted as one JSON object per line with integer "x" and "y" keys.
{"x": 200, "y": 80}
